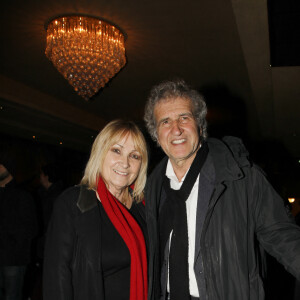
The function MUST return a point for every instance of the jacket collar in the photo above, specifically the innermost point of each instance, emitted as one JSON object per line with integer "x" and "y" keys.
{"x": 87, "y": 199}
{"x": 229, "y": 156}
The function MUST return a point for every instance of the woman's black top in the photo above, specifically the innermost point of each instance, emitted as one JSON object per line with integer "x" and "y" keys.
{"x": 116, "y": 256}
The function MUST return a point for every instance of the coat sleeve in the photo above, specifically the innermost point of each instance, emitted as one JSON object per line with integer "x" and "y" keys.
{"x": 275, "y": 229}
{"x": 59, "y": 248}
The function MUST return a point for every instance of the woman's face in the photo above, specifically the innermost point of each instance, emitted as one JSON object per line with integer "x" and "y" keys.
{"x": 121, "y": 166}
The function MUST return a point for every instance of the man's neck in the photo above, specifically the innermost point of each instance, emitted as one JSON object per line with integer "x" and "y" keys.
{"x": 181, "y": 167}
{"x": 5, "y": 181}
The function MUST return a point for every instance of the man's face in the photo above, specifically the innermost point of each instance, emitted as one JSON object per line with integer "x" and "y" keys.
{"x": 44, "y": 179}
{"x": 3, "y": 172}
{"x": 177, "y": 130}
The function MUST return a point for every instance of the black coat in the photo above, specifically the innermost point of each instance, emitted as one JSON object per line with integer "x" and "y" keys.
{"x": 244, "y": 215}
{"x": 72, "y": 260}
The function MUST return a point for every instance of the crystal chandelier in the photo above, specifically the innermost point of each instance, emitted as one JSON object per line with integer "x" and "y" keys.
{"x": 87, "y": 51}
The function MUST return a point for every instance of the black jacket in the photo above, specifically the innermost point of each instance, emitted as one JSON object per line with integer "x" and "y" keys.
{"x": 244, "y": 215}
{"x": 18, "y": 225}
{"x": 72, "y": 260}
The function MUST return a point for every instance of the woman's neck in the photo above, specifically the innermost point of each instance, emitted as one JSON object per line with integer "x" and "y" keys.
{"x": 123, "y": 196}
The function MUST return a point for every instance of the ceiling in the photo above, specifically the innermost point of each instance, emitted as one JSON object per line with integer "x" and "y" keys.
{"x": 220, "y": 46}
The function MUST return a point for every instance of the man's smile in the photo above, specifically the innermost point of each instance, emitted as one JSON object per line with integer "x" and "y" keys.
{"x": 177, "y": 142}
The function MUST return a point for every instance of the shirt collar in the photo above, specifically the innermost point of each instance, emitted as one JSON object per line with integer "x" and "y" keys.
{"x": 171, "y": 174}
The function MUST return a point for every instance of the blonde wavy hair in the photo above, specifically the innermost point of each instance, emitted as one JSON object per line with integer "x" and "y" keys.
{"x": 111, "y": 134}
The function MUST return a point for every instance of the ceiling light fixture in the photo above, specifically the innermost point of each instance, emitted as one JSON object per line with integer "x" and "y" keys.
{"x": 87, "y": 51}
{"x": 291, "y": 200}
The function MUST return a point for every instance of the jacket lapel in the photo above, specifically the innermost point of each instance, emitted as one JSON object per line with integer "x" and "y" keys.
{"x": 206, "y": 187}
{"x": 219, "y": 167}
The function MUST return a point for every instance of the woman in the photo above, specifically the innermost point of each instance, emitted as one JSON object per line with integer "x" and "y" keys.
{"x": 95, "y": 246}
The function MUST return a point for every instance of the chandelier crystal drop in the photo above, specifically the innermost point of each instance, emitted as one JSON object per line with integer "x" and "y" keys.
{"x": 87, "y": 51}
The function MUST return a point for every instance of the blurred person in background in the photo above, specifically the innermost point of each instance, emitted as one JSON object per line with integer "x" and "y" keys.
{"x": 51, "y": 188}
{"x": 18, "y": 226}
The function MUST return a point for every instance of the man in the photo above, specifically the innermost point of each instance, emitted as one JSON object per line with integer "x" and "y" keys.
{"x": 17, "y": 229}
{"x": 210, "y": 212}
{"x": 51, "y": 188}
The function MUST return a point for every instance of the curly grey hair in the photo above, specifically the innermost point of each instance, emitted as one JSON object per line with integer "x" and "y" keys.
{"x": 174, "y": 89}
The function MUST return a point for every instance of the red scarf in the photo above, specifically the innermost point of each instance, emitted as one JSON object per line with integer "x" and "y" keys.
{"x": 133, "y": 237}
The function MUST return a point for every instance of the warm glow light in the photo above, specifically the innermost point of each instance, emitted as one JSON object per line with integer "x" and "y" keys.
{"x": 33, "y": 136}
{"x": 87, "y": 51}
{"x": 291, "y": 200}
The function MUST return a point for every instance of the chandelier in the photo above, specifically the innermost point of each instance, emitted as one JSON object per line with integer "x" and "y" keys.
{"x": 87, "y": 51}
